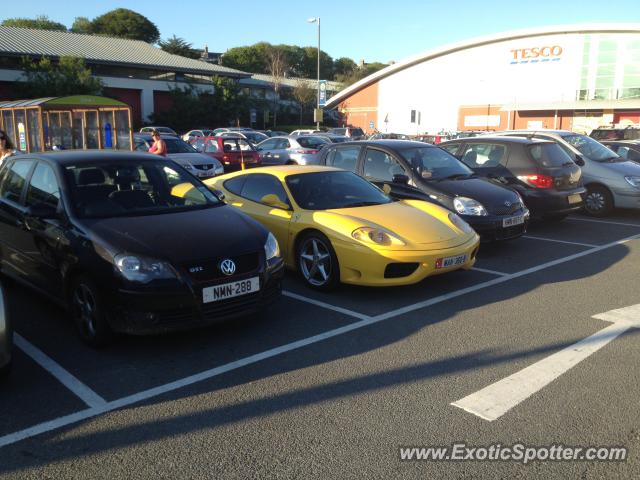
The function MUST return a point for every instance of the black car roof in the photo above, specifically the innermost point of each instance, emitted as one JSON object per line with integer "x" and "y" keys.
{"x": 389, "y": 143}
{"x": 78, "y": 157}
{"x": 502, "y": 138}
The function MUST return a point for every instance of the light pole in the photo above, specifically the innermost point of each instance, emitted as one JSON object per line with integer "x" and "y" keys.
{"x": 317, "y": 115}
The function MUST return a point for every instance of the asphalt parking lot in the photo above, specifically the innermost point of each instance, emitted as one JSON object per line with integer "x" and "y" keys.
{"x": 331, "y": 385}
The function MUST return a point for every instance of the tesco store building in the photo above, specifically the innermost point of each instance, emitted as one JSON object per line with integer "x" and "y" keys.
{"x": 571, "y": 77}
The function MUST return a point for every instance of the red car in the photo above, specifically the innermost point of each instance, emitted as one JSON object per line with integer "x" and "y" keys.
{"x": 231, "y": 152}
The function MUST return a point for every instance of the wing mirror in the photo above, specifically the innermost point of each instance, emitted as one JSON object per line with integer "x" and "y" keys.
{"x": 220, "y": 194}
{"x": 579, "y": 161}
{"x": 272, "y": 200}
{"x": 401, "y": 178}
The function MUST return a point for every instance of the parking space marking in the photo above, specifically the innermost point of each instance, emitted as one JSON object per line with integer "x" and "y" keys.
{"x": 606, "y": 222}
{"x": 328, "y": 306}
{"x": 545, "y": 239}
{"x": 252, "y": 359}
{"x": 492, "y": 272}
{"x": 88, "y": 396}
{"x": 506, "y": 278}
{"x": 495, "y": 400}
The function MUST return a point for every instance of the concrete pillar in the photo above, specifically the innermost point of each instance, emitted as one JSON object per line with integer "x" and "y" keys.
{"x": 146, "y": 102}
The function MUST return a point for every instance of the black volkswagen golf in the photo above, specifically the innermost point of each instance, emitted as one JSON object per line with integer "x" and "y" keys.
{"x": 414, "y": 170}
{"x": 131, "y": 243}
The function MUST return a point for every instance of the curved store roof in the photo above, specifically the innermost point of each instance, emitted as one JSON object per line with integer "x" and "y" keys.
{"x": 478, "y": 42}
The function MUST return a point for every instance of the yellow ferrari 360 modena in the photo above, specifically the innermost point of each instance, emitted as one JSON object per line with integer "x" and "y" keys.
{"x": 334, "y": 226}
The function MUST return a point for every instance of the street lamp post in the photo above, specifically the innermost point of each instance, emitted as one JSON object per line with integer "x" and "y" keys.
{"x": 317, "y": 115}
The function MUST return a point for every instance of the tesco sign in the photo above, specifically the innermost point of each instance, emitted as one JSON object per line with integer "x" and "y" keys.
{"x": 546, "y": 52}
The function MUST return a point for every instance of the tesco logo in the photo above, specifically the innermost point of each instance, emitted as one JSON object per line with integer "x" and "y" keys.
{"x": 537, "y": 52}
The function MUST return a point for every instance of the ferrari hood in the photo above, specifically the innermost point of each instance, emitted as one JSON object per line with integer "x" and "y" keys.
{"x": 418, "y": 224}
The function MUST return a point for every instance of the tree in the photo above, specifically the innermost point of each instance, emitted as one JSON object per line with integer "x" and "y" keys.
{"x": 125, "y": 23}
{"x": 81, "y": 25}
{"x": 41, "y": 22}
{"x": 192, "y": 107}
{"x": 179, "y": 46}
{"x": 310, "y": 64}
{"x": 304, "y": 95}
{"x": 248, "y": 59}
{"x": 277, "y": 67}
{"x": 344, "y": 66}
{"x": 301, "y": 61}
{"x": 359, "y": 73}
{"x": 69, "y": 76}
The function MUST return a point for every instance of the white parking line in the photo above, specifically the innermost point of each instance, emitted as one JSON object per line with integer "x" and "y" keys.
{"x": 606, "y": 222}
{"x": 492, "y": 272}
{"x": 495, "y": 400}
{"x": 88, "y": 396}
{"x": 545, "y": 239}
{"x": 252, "y": 359}
{"x": 328, "y": 306}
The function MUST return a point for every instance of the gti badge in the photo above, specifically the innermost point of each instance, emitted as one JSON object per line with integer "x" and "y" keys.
{"x": 196, "y": 269}
{"x": 227, "y": 267}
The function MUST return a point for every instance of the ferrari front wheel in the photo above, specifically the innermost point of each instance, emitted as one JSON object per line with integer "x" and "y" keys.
{"x": 317, "y": 261}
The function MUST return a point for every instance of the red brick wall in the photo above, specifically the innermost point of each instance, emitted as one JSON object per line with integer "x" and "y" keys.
{"x": 161, "y": 101}
{"x": 7, "y": 91}
{"x": 361, "y": 108}
{"x": 131, "y": 97}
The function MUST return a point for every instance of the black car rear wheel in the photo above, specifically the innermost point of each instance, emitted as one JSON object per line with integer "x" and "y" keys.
{"x": 317, "y": 261}
{"x": 88, "y": 313}
{"x": 598, "y": 201}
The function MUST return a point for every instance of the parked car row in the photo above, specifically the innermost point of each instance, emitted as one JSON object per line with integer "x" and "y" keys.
{"x": 131, "y": 242}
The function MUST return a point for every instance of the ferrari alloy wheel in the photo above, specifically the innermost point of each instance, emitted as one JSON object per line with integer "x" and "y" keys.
{"x": 317, "y": 261}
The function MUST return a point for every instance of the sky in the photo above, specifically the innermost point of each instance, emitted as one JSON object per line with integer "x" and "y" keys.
{"x": 372, "y": 31}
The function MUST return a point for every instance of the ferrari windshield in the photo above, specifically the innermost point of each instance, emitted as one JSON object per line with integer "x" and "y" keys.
{"x": 333, "y": 189}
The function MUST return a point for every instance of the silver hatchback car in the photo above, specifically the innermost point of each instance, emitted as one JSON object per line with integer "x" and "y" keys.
{"x": 610, "y": 180}
{"x": 302, "y": 150}
{"x": 6, "y": 337}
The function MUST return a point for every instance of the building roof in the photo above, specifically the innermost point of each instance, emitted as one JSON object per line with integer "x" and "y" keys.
{"x": 262, "y": 80}
{"x": 97, "y": 49}
{"x": 478, "y": 42}
{"x": 56, "y": 102}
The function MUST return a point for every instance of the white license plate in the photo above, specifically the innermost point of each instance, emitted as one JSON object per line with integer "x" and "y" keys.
{"x": 230, "y": 290}
{"x": 575, "y": 198}
{"x": 447, "y": 262}
{"x": 203, "y": 174}
{"x": 511, "y": 221}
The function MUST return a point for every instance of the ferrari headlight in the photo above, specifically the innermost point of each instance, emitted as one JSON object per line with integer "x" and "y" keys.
{"x": 468, "y": 206}
{"x": 136, "y": 268}
{"x": 271, "y": 247}
{"x": 634, "y": 181}
{"x": 460, "y": 223}
{"x": 376, "y": 236}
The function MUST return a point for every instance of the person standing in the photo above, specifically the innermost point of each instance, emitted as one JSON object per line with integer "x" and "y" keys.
{"x": 6, "y": 146}
{"x": 159, "y": 146}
